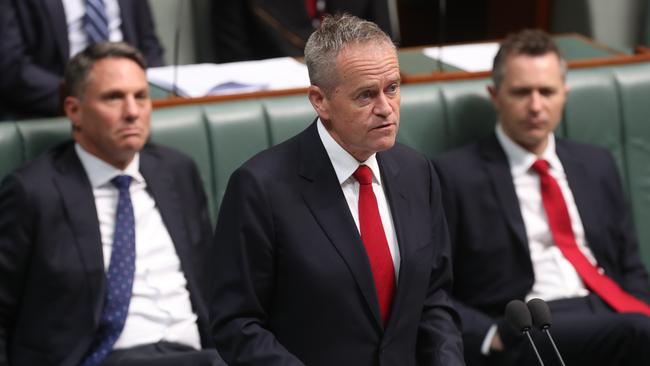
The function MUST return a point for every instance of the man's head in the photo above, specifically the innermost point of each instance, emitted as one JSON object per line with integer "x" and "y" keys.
{"x": 355, "y": 80}
{"x": 529, "y": 88}
{"x": 107, "y": 100}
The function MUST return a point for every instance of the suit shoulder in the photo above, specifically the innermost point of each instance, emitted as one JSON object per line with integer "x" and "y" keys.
{"x": 581, "y": 149}
{"x": 168, "y": 155}
{"x": 458, "y": 157}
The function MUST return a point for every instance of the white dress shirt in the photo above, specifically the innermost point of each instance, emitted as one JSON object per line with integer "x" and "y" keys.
{"x": 345, "y": 165}
{"x": 75, "y": 10}
{"x": 160, "y": 307}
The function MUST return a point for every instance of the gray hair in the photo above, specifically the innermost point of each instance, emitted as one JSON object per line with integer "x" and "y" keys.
{"x": 78, "y": 68}
{"x": 528, "y": 42}
{"x": 333, "y": 35}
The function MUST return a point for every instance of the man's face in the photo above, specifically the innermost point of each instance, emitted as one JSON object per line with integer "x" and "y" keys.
{"x": 530, "y": 99}
{"x": 112, "y": 116}
{"x": 362, "y": 111}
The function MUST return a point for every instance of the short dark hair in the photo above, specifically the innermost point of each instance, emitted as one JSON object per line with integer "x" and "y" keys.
{"x": 528, "y": 42}
{"x": 333, "y": 35}
{"x": 78, "y": 68}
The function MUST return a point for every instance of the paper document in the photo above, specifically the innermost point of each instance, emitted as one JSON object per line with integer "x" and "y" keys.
{"x": 470, "y": 57}
{"x": 236, "y": 77}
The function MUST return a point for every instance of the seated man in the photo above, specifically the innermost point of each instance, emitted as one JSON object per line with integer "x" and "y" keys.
{"x": 39, "y": 37}
{"x": 332, "y": 246}
{"x": 534, "y": 216}
{"x": 103, "y": 240}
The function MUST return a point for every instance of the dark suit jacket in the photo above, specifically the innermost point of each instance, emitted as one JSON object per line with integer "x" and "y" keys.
{"x": 492, "y": 263}
{"x": 257, "y": 29}
{"x": 52, "y": 275}
{"x": 293, "y": 284}
{"x": 37, "y": 40}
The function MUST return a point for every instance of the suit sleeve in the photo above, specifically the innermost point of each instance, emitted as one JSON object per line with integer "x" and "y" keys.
{"x": 475, "y": 323}
{"x": 24, "y": 84}
{"x": 635, "y": 276}
{"x": 147, "y": 41}
{"x": 439, "y": 340}
{"x": 244, "y": 276}
{"x": 15, "y": 247}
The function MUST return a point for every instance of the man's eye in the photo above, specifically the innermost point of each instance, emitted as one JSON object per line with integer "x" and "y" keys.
{"x": 365, "y": 94}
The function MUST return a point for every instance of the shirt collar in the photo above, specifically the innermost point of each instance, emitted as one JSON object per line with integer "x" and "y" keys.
{"x": 345, "y": 164}
{"x": 100, "y": 172}
{"x": 521, "y": 159}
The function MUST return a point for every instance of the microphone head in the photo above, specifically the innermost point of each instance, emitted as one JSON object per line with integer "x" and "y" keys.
{"x": 518, "y": 315}
{"x": 540, "y": 313}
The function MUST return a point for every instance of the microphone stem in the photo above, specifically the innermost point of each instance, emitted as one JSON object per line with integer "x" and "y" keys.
{"x": 530, "y": 339}
{"x": 559, "y": 356}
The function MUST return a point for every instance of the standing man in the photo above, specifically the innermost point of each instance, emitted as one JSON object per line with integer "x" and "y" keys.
{"x": 42, "y": 35}
{"x": 103, "y": 240}
{"x": 534, "y": 216}
{"x": 331, "y": 248}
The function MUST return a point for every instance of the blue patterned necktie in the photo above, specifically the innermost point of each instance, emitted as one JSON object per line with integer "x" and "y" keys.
{"x": 96, "y": 21}
{"x": 119, "y": 277}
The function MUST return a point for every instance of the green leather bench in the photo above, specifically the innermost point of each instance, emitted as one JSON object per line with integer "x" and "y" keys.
{"x": 607, "y": 106}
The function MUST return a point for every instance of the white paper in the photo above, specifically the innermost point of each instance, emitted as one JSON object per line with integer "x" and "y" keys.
{"x": 470, "y": 57}
{"x": 236, "y": 77}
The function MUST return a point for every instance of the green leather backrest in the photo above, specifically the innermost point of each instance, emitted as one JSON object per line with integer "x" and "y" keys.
{"x": 634, "y": 88}
{"x": 422, "y": 119}
{"x": 469, "y": 114}
{"x": 593, "y": 112}
{"x": 11, "y": 154}
{"x": 40, "y": 135}
{"x": 286, "y": 116}
{"x": 183, "y": 128}
{"x": 237, "y": 131}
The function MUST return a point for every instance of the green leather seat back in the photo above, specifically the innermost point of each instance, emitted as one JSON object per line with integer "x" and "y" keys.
{"x": 468, "y": 111}
{"x": 422, "y": 120}
{"x": 287, "y": 116}
{"x": 237, "y": 131}
{"x": 183, "y": 128}
{"x": 634, "y": 86}
{"x": 40, "y": 135}
{"x": 593, "y": 113}
{"x": 11, "y": 153}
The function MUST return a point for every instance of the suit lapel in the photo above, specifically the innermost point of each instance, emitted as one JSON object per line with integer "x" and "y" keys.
{"x": 498, "y": 170}
{"x": 582, "y": 188}
{"x": 79, "y": 205}
{"x": 325, "y": 200}
{"x": 160, "y": 183}
{"x": 400, "y": 212}
{"x": 59, "y": 25}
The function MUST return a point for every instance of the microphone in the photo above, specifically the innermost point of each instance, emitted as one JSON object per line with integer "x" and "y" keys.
{"x": 541, "y": 315}
{"x": 518, "y": 316}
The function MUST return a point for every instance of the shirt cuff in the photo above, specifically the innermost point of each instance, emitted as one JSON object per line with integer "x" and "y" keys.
{"x": 487, "y": 341}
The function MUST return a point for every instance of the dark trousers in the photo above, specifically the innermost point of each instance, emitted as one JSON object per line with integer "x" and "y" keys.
{"x": 586, "y": 332}
{"x": 163, "y": 354}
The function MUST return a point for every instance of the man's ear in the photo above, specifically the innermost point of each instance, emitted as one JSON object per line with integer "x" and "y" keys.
{"x": 72, "y": 109}
{"x": 319, "y": 101}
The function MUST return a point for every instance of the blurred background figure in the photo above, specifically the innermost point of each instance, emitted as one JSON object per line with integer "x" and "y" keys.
{"x": 257, "y": 29}
{"x": 39, "y": 36}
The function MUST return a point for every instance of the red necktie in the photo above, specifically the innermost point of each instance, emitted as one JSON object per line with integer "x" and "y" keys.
{"x": 560, "y": 224}
{"x": 374, "y": 239}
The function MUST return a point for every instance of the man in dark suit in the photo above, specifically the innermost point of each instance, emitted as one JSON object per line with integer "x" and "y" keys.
{"x": 534, "y": 216}
{"x": 258, "y": 29}
{"x": 331, "y": 248}
{"x": 42, "y": 36}
{"x": 103, "y": 240}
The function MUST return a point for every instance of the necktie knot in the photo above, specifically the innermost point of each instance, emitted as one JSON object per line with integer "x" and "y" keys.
{"x": 122, "y": 182}
{"x": 363, "y": 175}
{"x": 540, "y": 166}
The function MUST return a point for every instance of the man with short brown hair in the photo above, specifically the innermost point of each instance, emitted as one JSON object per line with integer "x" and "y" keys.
{"x": 531, "y": 215}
